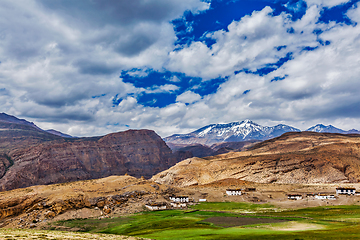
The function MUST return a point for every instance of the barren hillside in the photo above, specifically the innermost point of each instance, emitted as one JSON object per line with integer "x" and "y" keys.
{"x": 291, "y": 158}
{"x": 117, "y": 195}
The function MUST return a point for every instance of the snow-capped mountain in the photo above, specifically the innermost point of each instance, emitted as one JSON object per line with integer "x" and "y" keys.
{"x": 322, "y": 128}
{"x": 231, "y": 132}
{"x": 353, "y": 131}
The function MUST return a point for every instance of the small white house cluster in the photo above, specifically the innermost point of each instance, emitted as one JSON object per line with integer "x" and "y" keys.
{"x": 295, "y": 196}
{"x": 179, "y": 201}
{"x": 184, "y": 199}
{"x": 324, "y": 196}
{"x": 345, "y": 191}
{"x": 317, "y": 196}
{"x": 178, "y": 204}
{"x": 156, "y": 206}
{"x": 233, "y": 192}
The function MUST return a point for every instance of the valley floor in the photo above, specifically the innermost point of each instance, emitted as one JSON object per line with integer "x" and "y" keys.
{"x": 221, "y": 221}
{"x": 72, "y": 209}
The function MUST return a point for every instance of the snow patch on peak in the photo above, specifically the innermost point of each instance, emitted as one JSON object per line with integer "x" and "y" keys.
{"x": 320, "y": 128}
{"x": 244, "y": 130}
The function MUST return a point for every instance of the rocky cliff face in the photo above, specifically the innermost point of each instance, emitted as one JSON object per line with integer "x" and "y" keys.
{"x": 292, "y": 158}
{"x": 136, "y": 152}
{"x": 16, "y": 136}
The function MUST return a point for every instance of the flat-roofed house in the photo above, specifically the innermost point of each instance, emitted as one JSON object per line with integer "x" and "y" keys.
{"x": 156, "y": 206}
{"x": 325, "y": 196}
{"x": 233, "y": 192}
{"x": 344, "y": 190}
{"x": 178, "y": 204}
{"x": 294, "y": 196}
{"x": 179, "y": 198}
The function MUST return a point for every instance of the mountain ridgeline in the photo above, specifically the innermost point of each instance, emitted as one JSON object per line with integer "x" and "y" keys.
{"x": 292, "y": 158}
{"x": 320, "y": 128}
{"x": 31, "y": 156}
{"x": 242, "y": 131}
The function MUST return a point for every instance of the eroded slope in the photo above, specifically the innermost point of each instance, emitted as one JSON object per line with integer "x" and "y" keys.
{"x": 292, "y": 158}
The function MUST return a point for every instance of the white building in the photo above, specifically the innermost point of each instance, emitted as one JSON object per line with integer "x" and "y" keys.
{"x": 202, "y": 200}
{"x": 294, "y": 196}
{"x": 179, "y": 198}
{"x": 233, "y": 192}
{"x": 178, "y": 204}
{"x": 325, "y": 196}
{"x": 156, "y": 206}
{"x": 348, "y": 191}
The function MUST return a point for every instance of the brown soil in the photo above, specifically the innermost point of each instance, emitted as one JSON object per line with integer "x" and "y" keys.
{"x": 227, "y": 182}
{"x": 239, "y": 221}
{"x": 36, "y": 206}
{"x": 293, "y": 158}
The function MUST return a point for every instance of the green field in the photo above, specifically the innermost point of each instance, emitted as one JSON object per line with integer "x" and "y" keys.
{"x": 225, "y": 221}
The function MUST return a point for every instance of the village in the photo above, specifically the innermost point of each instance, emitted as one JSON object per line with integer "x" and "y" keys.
{"x": 325, "y": 195}
{"x": 183, "y": 201}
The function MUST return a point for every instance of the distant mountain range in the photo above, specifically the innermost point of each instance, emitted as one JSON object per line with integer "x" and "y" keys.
{"x": 331, "y": 129}
{"x": 31, "y": 156}
{"x": 5, "y": 118}
{"x": 243, "y": 131}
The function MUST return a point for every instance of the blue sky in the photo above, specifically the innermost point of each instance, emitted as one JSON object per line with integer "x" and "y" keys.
{"x": 93, "y": 67}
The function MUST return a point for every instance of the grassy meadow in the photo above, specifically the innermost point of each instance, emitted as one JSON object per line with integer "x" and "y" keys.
{"x": 228, "y": 221}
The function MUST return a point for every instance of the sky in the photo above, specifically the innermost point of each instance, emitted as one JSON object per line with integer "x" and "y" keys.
{"x": 92, "y": 67}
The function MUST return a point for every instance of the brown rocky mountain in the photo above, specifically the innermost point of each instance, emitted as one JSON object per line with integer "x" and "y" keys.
{"x": 15, "y": 136}
{"x": 30, "y": 156}
{"x": 196, "y": 150}
{"x": 221, "y": 148}
{"x": 304, "y": 158}
{"x": 199, "y": 150}
{"x": 52, "y": 131}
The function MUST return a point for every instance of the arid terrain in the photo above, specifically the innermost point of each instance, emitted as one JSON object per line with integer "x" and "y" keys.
{"x": 53, "y": 179}
{"x": 293, "y": 158}
{"x": 37, "y": 206}
{"x": 117, "y": 195}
